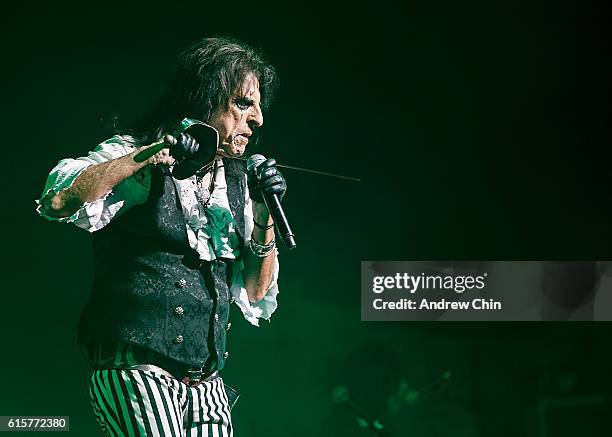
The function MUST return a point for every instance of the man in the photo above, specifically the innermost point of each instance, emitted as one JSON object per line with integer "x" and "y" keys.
{"x": 171, "y": 254}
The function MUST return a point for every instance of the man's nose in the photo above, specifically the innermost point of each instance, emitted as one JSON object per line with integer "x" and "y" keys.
{"x": 255, "y": 116}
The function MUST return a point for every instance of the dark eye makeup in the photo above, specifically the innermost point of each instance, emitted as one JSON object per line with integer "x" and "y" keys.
{"x": 243, "y": 103}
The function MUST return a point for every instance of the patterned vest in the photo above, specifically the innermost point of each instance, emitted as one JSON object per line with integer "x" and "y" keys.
{"x": 150, "y": 289}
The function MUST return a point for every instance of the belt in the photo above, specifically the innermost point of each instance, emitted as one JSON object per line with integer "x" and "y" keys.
{"x": 175, "y": 369}
{"x": 193, "y": 378}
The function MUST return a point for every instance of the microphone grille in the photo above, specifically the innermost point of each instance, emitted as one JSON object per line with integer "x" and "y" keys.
{"x": 254, "y": 161}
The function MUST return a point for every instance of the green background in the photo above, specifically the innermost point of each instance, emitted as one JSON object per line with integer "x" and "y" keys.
{"x": 480, "y": 130}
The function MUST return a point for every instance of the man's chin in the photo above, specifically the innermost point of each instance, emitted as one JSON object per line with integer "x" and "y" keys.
{"x": 231, "y": 152}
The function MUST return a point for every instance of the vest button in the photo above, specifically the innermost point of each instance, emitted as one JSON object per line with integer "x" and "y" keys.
{"x": 179, "y": 311}
{"x": 229, "y": 325}
{"x": 216, "y": 317}
{"x": 225, "y": 355}
{"x": 178, "y": 339}
{"x": 181, "y": 283}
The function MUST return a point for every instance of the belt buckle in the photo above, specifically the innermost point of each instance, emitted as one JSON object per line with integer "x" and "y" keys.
{"x": 195, "y": 375}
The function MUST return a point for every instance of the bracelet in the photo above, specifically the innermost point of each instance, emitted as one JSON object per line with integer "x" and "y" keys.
{"x": 262, "y": 227}
{"x": 261, "y": 250}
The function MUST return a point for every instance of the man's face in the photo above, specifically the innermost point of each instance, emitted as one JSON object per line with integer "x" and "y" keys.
{"x": 236, "y": 121}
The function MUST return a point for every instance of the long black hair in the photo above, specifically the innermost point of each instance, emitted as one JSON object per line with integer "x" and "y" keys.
{"x": 208, "y": 73}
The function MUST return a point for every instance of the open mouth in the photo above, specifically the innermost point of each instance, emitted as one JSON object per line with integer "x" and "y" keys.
{"x": 241, "y": 140}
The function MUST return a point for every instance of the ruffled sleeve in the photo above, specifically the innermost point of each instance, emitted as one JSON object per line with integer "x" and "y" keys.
{"x": 266, "y": 306}
{"x": 258, "y": 310}
{"x": 93, "y": 216}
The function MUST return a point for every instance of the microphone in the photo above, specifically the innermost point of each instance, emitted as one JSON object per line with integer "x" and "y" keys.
{"x": 274, "y": 206}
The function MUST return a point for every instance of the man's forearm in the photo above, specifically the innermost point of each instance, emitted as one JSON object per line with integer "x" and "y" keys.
{"x": 258, "y": 271}
{"x": 92, "y": 184}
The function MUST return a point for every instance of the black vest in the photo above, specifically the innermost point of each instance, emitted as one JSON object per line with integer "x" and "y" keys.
{"x": 150, "y": 288}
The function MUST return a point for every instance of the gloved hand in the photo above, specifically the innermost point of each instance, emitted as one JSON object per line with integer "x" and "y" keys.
{"x": 265, "y": 178}
{"x": 184, "y": 147}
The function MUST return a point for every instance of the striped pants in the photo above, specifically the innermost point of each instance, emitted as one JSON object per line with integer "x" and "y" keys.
{"x": 134, "y": 403}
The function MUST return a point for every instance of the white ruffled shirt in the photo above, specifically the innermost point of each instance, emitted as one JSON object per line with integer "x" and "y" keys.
{"x": 212, "y": 232}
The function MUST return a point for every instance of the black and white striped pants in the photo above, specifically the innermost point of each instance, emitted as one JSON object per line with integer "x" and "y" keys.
{"x": 134, "y": 403}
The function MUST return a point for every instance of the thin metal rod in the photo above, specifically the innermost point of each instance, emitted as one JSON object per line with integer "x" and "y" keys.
{"x": 324, "y": 173}
{"x": 307, "y": 170}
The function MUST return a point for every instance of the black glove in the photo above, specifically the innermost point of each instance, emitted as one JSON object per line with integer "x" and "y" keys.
{"x": 185, "y": 147}
{"x": 265, "y": 178}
